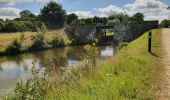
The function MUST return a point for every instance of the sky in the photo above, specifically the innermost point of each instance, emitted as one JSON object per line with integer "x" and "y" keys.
{"x": 152, "y": 9}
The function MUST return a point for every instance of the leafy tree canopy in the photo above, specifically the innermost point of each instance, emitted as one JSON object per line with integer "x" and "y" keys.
{"x": 70, "y": 18}
{"x": 53, "y": 14}
{"x": 121, "y": 17}
{"x": 26, "y": 15}
{"x": 137, "y": 17}
{"x": 165, "y": 24}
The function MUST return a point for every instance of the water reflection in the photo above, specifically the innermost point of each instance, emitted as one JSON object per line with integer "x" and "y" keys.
{"x": 15, "y": 68}
{"x": 107, "y": 51}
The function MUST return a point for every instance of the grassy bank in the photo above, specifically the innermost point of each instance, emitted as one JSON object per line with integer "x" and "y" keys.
{"x": 131, "y": 74}
{"x": 7, "y": 38}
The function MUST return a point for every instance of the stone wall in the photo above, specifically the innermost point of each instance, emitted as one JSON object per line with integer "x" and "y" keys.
{"x": 136, "y": 29}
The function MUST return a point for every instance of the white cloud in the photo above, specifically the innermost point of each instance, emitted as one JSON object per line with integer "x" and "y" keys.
{"x": 9, "y": 12}
{"x": 146, "y": 4}
{"x": 152, "y": 9}
{"x": 83, "y": 14}
{"x": 13, "y": 2}
{"x": 109, "y": 10}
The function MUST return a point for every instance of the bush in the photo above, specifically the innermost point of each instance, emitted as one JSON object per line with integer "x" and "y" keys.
{"x": 57, "y": 42}
{"x": 18, "y": 26}
{"x": 1, "y": 26}
{"x": 38, "y": 24}
{"x": 78, "y": 22}
{"x": 40, "y": 41}
{"x": 165, "y": 24}
{"x": 16, "y": 46}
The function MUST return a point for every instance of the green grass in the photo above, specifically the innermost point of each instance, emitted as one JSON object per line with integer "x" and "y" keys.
{"x": 131, "y": 75}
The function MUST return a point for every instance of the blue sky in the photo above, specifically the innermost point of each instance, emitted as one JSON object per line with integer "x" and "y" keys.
{"x": 153, "y": 9}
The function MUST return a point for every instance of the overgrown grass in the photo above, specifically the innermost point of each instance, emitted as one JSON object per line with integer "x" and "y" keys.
{"x": 131, "y": 75}
{"x": 7, "y": 38}
{"x": 16, "y": 46}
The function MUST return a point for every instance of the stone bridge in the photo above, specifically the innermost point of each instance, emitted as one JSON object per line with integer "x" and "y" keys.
{"x": 123, "y": 32}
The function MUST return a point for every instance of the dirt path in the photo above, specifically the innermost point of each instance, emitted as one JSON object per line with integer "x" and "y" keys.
{"x": 164, "y": 89}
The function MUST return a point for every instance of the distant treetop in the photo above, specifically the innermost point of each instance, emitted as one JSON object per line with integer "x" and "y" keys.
{"x": 168, "y": 8}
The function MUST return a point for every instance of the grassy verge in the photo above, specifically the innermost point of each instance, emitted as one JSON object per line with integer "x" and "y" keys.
{"x": 131, "y": 75}
{"x": 7, "y": 38}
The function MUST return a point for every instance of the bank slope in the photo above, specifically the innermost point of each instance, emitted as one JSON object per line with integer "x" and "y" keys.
{"x": 131, "y": 75}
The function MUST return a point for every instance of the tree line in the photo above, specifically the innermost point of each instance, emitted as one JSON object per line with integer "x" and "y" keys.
{"x": 53, "y": 16}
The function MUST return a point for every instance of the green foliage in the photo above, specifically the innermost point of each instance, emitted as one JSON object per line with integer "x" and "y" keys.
{"x": 90, "y": 21}
{"x": 70, "y": 18}
{"x": 40, "y": 41}
{"x": 53, "y": 14}
{"x": 16, "y": 46}
{"x": 168, "y": 8}
{"x": 121, "y": 17}
{"x": 99, "y": 20}
{"x": 113, "y": 22}
{"x": 57, "y": 42}
{"x": 33, "y": 89}
{"x": 1, "y": 25}
{"x": 137, "y": 17}
{"x": 78, "y": 22}
{"x": 26, "y": 15}
{"x": 92, "y": 52}
{"x": 18, "y": 26}
{"x": 165, "y": 24}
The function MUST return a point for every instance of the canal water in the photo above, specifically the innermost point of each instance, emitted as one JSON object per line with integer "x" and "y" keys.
{"x": 17, "y": 68}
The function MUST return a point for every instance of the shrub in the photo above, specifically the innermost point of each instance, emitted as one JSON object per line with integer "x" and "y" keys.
{"x": 165, "y": 24}
{"x": 57, "y": 42}
{"x": 1, "y": 26}
{"x": 16, "y": 46}
{"x": 38, "y": 24}
{"x": 31, "y": 90}
{"x": 28, "y": 26}
{"x": 18, "y": 26}
{"x": 40, "y": 41}
{"x": 78, "y": 22}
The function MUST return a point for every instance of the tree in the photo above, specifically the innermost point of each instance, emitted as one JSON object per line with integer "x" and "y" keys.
{"x": 96, "y": 20}
{"x": 78, "y": 22}
{"x": 88, "y": 21}
{"x": 1, "y": 25}
{"x": 70, "y": 18}
{"x": 121, "y": 17}
{"x": 53, "y": 14}
{"x": 168, "y": 8}
{"x": 26, "y": 15}
{"x": 137, "y": 17}
{"x": 165, "y": 24}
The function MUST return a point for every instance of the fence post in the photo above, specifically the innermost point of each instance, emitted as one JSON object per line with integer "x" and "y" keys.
{"x": 149, "y": 41}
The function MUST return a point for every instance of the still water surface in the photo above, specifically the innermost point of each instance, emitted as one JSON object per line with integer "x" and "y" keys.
{"x": 16, "y": 68}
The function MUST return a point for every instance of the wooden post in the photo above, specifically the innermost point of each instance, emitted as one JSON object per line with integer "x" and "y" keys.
{"x": 149, "y": 41}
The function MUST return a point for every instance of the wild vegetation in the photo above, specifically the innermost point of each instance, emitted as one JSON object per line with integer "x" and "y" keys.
{"x": 40, "y": 41}
{"x": 126, "y": 76}
{"x": 16, "y": 46}
{"x": 165, "y": 24}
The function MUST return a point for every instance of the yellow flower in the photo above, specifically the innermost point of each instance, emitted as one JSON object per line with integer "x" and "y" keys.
{"x": 87, "y": 47}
